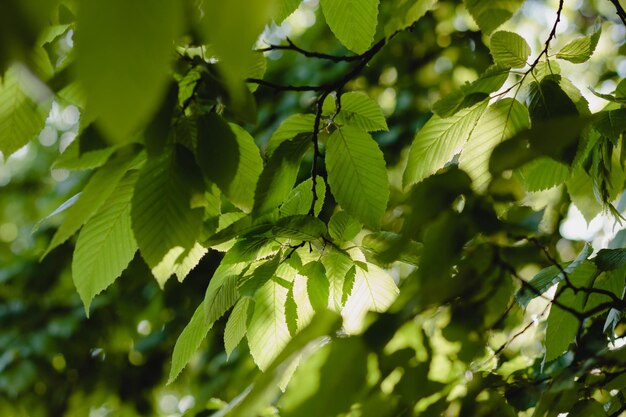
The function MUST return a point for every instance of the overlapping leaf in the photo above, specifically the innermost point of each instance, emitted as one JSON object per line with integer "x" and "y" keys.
{"x": 357, "y": 175}
{"x": 352, "y": 21}
{"x": 20, "y": 119}
{"x": 164, "y": 222}
{"x": 438, "y": 141}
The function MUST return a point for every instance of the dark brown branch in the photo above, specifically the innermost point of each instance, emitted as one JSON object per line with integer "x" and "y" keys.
{"x": 284, "y": 87}
{"x": 310, "y": 54}
{"x": 620, "y": 11}
{"x": 568, "y": 282}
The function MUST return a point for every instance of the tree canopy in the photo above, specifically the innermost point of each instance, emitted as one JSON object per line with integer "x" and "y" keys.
{"x": 312, "y": 208}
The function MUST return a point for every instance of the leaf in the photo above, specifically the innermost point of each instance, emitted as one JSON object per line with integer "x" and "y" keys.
{"x": 317, "y": 284}
{"x": 123, "y": 49}
{"x": 388, "y": 247}
{"x": 230, "y": 158}
{"x": 268, "y": 333}
{"x": 438, "y": 141}
{"x": 492, "y": 14}
{"x": 237, "y": 324}
{"x": 357, "y": 109}
{"x": 164, "y": 223}
{"x": 284, "y": 9}
{"x": 337, "y": 264}
{"x": 610, "y": 259}
{"x": 95, "y": 193}
{"x": 581, "y": 190}
{"x": 509, "y": 49}
{"x": 64, "y": 206}
{"x": 20, "y": 119}
{"x": 588, "y": 408}
{"x": 291, "y": 312}
{"x": 580, "y": 50}
{"x": 543, "y": 173}
{"x": 373, "y": 290}
{"x": 469, "y": 94}
{"x": 266, "y": 386}
{"x": 343, "y": 227}
{"x": 352, "y": 21}
{"x": 611, "y": 123}
{"x": 300, "y": 198}
{"x": 233, "y": 42}
{"x": 299, "y": 227}
{"x": 357, "y": 174}
{"x": 338, "y": 367}
{"x": 291, "y": 127}
{"x": 550, "y": 276}
{"x": 279, "y": 175}
{"x": 188, "y": 342}
{"x": 84, "y": 152}
{"x": 250, "y": 284}
{"x": 407, "y": 12}
{"x": 106, "y": 244}
{"x": 499, "y": 122}
{"x": 221, "y": 295}
{"x": 562, "y": 326}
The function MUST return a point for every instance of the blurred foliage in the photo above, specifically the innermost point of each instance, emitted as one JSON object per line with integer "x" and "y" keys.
{"x": 477, "y": 256}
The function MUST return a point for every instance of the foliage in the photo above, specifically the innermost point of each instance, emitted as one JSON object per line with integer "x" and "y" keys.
{"x": 373, "y": 224}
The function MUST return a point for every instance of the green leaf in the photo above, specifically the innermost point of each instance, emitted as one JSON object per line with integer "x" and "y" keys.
{"x": 469, "y": 94}
{"x": 291, "y": 311}
{"x": 373, "y": 290}
{"x": 300, "y": 198}
{"x": 266, "y": 386}
{"x": 438, "y": 141}
{"x": 490, "y": 15}
{"x": 220, "y": 296}
{"x": 581, "y": 190}
{"x": 20, "y": 119}
{"x": 279, "y": 175}
{"x": 343, "y": 227}
{"x": 547, "y": 99}
{"x": 268, "y": 333}
{"x": 233, "y": 42}
{"x": 337, "y": 264}
{"x": 543, "y": 173}
{"x": 299, "y": 227}
{"x": 550, "y": 276}
{"x": 611, "y": 123}
{"x": 230, "y": 158}
{"x": 387, "y": 247}
{"x": 338, "y": 367}
{"x": 95, "y": 193}
{"x": 188, "y": 342}
{"x": 499, "y": 122}
{"x": 106, "y": 244}
{"x": 164, "y": 222}
{"x": 407, "y": 12}
{"x": 580, "y": 50}
{"x": 352, "y": 21}
{"x": 357, "y": 175}
{"x": 237, "y": 324}
{"x": 562, "y": 326}
{"x": 317, "y": 284}
{"x": 610, "y": 259}
{"x": 84, "y": 152}
{"x": 509, "y": 49}
{"x": 249, "y": 284}
{"x": 284, "y": 8}
{"x": 291, "y": 127}
{"x": 587, "y": 408}
{"x": 357, "y": 109}
{"x": 123, "y": 49}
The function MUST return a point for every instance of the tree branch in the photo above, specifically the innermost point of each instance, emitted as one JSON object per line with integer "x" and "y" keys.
{"x": 310, "y": 54}
{"x": 620, "y": 11}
